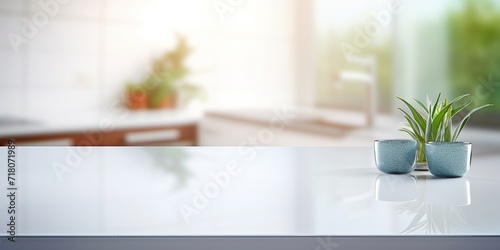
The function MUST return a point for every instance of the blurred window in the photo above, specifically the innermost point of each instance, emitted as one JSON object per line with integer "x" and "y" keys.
{"x": 421, "y": 47}
{"x": 360, "y": 28}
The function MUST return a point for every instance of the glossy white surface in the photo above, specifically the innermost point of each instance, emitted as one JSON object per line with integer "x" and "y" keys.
{"x": 243, "y": 191}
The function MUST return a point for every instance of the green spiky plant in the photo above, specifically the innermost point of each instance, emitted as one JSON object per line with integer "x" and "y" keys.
{"x": 433, "y": 122}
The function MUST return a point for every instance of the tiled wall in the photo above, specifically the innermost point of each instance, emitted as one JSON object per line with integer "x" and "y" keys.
{"x": 81, "y": 58}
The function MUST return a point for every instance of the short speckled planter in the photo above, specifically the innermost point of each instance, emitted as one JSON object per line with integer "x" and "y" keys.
{"x": 395, "y": 156}
{"x": 448, "y": 159}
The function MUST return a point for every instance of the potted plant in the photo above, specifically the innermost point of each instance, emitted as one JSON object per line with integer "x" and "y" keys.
{"x": 165, "y": 86}
{"x": 137, "y": 97}
{"x": 167, "y": 78}
{"x": 433, "y": 123}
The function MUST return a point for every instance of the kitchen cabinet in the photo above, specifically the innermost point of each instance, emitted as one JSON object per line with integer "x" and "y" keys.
{"x": 168, "y": 135}
{"x": 165, "y": 127}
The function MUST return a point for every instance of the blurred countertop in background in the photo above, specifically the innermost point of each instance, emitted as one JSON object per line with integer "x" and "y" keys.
{"x": 285, "y": 126}
{"x": 69, "y": 123}
{"x": 317, "y": 127}
{"x": 113, "y": 128}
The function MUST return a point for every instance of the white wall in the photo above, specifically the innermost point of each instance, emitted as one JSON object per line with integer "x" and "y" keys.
{"x": 81, "y": 58}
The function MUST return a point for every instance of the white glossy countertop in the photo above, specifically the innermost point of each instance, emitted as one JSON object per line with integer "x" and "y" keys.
{"x": 279, "y": 191}
{"x": 76, "y": 122}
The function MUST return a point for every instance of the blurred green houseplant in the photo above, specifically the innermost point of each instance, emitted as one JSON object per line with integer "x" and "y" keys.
{"x": 433, "y": 122}
{"x": 165, "y": 84}
{"x": 137, "y": 97}
{"x": 474, "y": 53}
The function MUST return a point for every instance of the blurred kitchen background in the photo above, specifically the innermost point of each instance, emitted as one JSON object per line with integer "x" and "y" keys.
{"x": 241, "y": 72}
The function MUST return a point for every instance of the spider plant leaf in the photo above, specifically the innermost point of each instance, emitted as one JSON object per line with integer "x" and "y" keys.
{"x": 439, "y": 134}
{"x": 459, "y": 98}
{"x": 464, "y": 121}
{"x": 413, "y": 124}
{"x": 424, "y": 108}
{"x": 412, "y": 120}
{"x": 460, "y": 108}
{"x": 406, "y": 126}
{"x": 438, "y": 120}
{"x": 413, "y": 135}
{"x": 409, "y": 132}
{"x": 429, "y": 103}
{"x": 435, "y": 105}
{"x": 416, "y": 115}
{"x": 459, "y": 128}
{"x": 448, "y": 126}
{"x": 428, "y": 129}
{"x": 415, "y": 129}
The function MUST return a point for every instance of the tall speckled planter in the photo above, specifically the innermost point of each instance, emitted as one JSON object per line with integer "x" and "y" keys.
{"x": 448, "y": 159}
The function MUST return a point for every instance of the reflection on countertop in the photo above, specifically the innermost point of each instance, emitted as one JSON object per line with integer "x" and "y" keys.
{"x": 244, "y": 191}
{"x": 436, "y": 204}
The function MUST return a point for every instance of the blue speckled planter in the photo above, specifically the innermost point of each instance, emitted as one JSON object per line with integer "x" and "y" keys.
{"x": 395, "y": 156}
{"x": 448, "y": 159}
